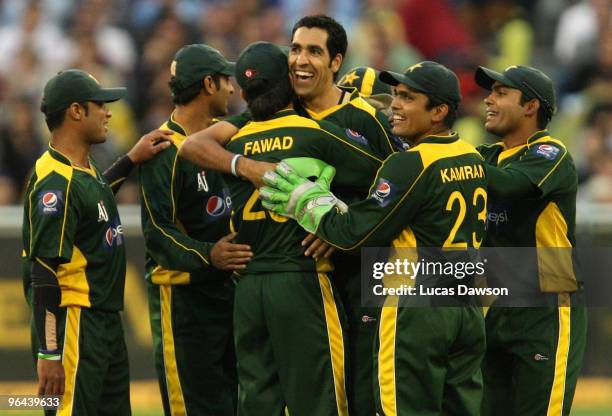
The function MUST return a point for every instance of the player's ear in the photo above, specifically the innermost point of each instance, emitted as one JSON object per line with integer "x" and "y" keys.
{"x": 209, "y": 85}
{"x": 439, "y": 113}
{"x": 336, "y": 62}
{"x": 75, "y": 111}
{"x": 531, "y": 107}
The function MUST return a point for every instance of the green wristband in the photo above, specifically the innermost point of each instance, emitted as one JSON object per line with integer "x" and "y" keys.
{"x": 50, "y": 357}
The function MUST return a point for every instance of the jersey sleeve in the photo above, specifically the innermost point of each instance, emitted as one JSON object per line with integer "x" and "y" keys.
{"x": 544, "y": 169}
{"x": 375, "y": 127}
{"x": 170, "y": 247}
{"x": 53, "y": 215}
{"x": 355, "y": 162}
{"x": 366, "y": 221}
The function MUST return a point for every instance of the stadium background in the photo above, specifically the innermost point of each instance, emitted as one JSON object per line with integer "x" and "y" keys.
{"x": 131, "y": 43}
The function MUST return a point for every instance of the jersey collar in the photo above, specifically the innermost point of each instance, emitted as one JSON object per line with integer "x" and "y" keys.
{"x": 60, "y": 157}
{"x": 537, "y": 135}
{"x": 175, "y": 126}
{"x": 55, "y": 154}
{"x": 443, "y": 139}
{"x": 283, "y": 113}
{"x": 353, "y": 94}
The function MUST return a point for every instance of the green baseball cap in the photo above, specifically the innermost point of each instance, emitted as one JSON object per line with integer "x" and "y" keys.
{"x": 263, "y": 61}
{"x": 530, "y": 81}
{"x": 428, "y": 77}
{"x": 75, "y": 86}
{"x": 366, "y": 80}
{"x": 193, "y": 62}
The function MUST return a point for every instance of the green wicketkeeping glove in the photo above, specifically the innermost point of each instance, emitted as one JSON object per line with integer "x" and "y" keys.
{"x": 296, "y": 197}
{"x": 309, "y": 167}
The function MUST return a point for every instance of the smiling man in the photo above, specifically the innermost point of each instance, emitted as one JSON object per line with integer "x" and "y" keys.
{"x": 317, "y": 50}
{"x": 534, "y": 355}
{"x": 428, "y": 359}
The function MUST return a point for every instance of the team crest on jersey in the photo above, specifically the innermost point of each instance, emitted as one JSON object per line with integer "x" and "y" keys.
{"x": 356, "y": 137}
{"x": 218, "y": 205}
{"x": 547, "y": 151}
{"x": 384, "y": 192}
{"x": 113, "y": 237}
{"x": 51, "y": 202}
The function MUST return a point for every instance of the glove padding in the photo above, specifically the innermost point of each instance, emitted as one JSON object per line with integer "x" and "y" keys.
{"x": 294, "y": 196}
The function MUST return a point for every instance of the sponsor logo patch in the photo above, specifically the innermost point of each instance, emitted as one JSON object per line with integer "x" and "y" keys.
{"x": 540, "y": 357}
{"x": 113, "y": 237}
{"x": 547, "y": 151}
{"x": 51, "y": 202}
{"x": 356, "y": 137}
{"x": 384, "y": 192}
{"x": 218, "y": 205}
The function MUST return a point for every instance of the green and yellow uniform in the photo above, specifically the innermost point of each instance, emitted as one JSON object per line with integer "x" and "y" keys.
{"x": 359, "y": 117}
{"x": 184, "y": 211}
{"x": 288, "y": 325}
{"x": 534, "y": 355}
{"x": 70, "y": 215}
{"x": 433, "y": 195}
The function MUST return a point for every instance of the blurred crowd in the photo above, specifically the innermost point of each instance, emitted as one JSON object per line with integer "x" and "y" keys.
{"x": 131, "y": 43}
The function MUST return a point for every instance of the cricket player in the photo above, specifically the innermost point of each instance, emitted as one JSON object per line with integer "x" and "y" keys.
{"x": 434, "y": 195}
{"x": 288, "y": 324}
{"x": 534, "y": 355}
{"x": 185, "y": 210}
{"x": 73, "y": 242}
{"x": 317, "y": 49}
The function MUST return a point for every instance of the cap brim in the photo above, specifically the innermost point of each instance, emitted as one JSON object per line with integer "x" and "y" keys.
{"x": 393, "y": 78}
{"x": 108, "y": 95}
{"x": 229, "y": 70}
{"x": 486, "y": 77}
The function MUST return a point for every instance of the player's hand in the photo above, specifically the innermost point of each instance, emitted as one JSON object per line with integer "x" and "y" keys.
{"x": 226, "y": 255}
{"x": 50, "y": 377}
{"x": 317, "y": 247}
{"x": 253, "y": 171}
{"x": 296, "y": 197}
{"x": 149, "y": 145}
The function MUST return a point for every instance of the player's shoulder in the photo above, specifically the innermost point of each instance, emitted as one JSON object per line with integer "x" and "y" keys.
{"x": 489, "y": 148}
{"x": 548, "y": 147}
{"x": 51, "y": 172}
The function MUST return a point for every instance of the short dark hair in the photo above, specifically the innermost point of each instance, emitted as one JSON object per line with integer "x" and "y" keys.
{"x": 543, "y": 117}
{"x": 451, "y": 117}
{"x": 263, "y": 99}
{"x": 336, "y": 35}
{"x": 182, "y": 96}
{"x": 54, "y": 120}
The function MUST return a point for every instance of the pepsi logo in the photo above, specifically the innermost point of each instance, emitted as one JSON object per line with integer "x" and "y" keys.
{"x": 250, "y": 73}
{"x": 215, "y": 206}
{"x": 546, "y": 148}
{"x": 108, "y": 236}
{"x": 114, "y": 234}
{"x": 383, "y": 189}
{"x": 49, "y": 200}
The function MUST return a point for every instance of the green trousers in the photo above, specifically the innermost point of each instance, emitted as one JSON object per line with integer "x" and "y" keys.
{"x": 290, "y": 345}
{"x": 361, "y": 333}
{"x": 533, "y": 359}
{"x": 193, "y": 347}
{"x": 96, "y": 369}
{"x": 429, "y": 360}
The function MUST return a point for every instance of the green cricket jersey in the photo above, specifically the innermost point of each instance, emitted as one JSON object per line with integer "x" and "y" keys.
{"x": 185, "y": 210}
{"x": 275, "y": 240}
{"x": 359, "y": 117}
{"x": 433, "y": 195}
{"x": 70, "y": 214}
{"x": 541, "y": 213}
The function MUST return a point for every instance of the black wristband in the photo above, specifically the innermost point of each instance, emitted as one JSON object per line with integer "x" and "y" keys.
{"x": 118, "y": 172}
